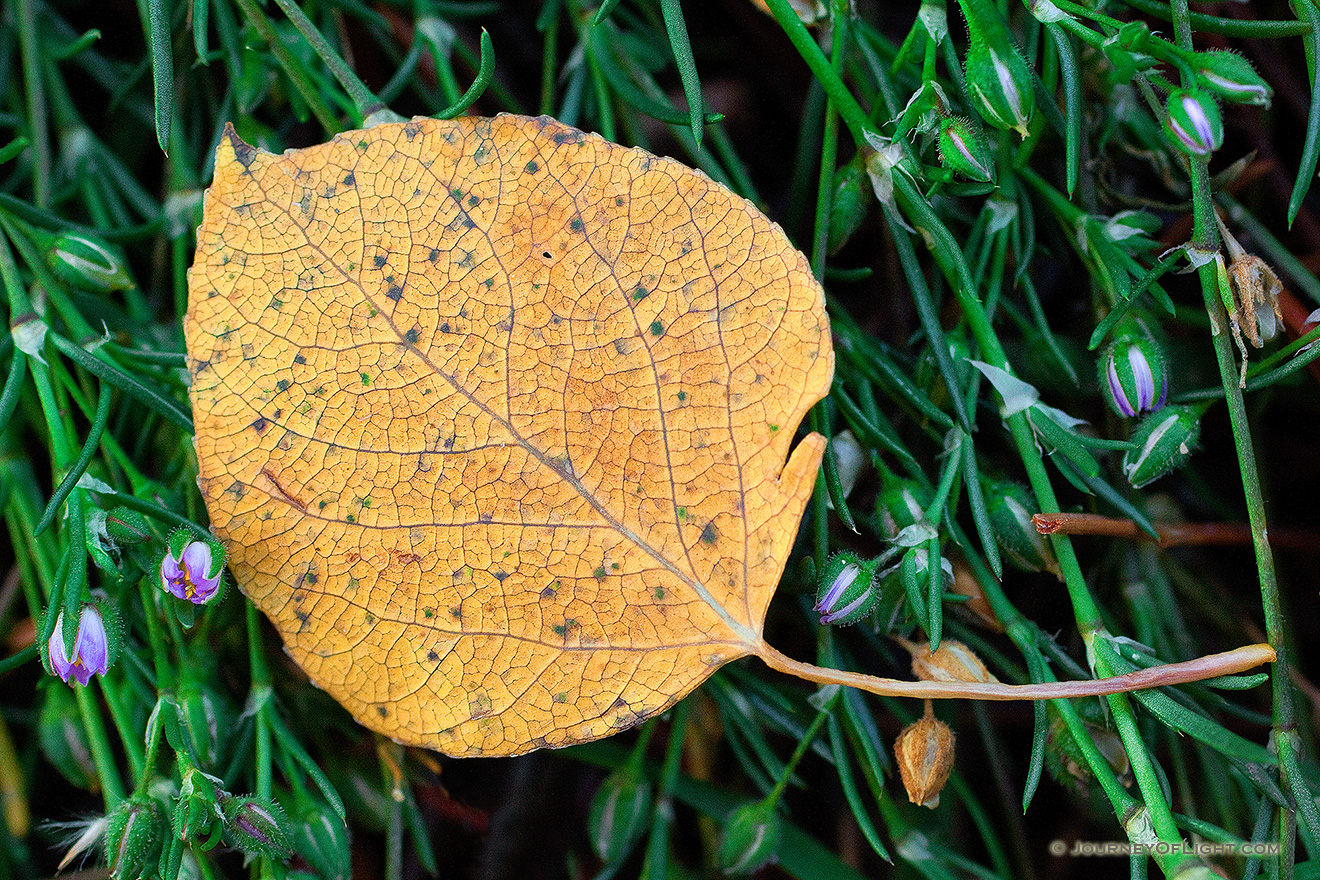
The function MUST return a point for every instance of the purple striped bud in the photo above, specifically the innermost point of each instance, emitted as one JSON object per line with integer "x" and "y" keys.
{"x": 848, "y": 590}
{"x": 964, "y": 152}
{"x": 255, "y": 826}
{"x": 1231, "y": 77}
{"x": 1193, "y": 123}
{"x": 1133, "y": 373}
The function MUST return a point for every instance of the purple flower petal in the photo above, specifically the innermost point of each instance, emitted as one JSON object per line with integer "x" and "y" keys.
{"x": 92, "y": 652}
{"x": 1144, "y": 379}
{"x": 841, "y": 583}
{"x": 58, "y": 659}
{"x": 197, "y": 560}
{"x": 1116, "y": 389}
{"x": 172, "y": 577}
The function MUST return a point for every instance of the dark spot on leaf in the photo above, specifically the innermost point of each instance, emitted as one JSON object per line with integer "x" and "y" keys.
{"x": 350, "y": 179}
{"x": 532, "y": 167}
{"x": 282, "y": 385}
{"x": 299, "y": 359}
{"x": 382, "y": 711}
{"x": 640, "y": 293}
{"x": 501, "y": 575}
{"x": 260, "y": 424}
{"x": 395, "y": 293}
{"x": 575, "y": 224}
{"x": 433, "y": 255}
{"x": 708, "y": 534}
{"x": 380, "y": 260}
{"x": 412, "y": 336}
{"x": 432, "y": 656}
{"x": 444, "y": 328}
{"x": 657, "y": 329}
{"x": 599, "y": 573}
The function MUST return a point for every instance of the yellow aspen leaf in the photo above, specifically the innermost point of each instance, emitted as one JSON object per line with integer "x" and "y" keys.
{"x": 492, "y": 416}
{"x": 495, "y": 419}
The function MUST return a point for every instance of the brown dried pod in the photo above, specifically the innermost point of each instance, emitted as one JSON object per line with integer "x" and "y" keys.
{"x": 952, "y": 661}
{"x": 924, "y": 753}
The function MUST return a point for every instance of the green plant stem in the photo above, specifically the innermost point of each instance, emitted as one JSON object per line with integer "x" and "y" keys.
{"x": 291, "y": 66}
{"x": 808, "y": 737}
{"x": 363, "y": 99}
{"x": 26, "y": 14}
{"x": 102, "y": 756}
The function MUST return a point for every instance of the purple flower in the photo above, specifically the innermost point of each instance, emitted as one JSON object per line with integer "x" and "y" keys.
{"x": 91, "y": 653}
{"x": 190, "y": 576}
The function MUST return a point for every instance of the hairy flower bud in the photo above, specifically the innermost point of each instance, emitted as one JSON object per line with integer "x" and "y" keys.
{"x": 133, "y": 835}
{"x": 963, "y": 151}
{"x": 751, "y": 839}
{"x": 1132, "y": 371}
{"x": 255, "y": 826}
{"x": 998, "y": 78}
{"x": 924, "y": 754}
{"x": 618, "y": 814}
{"x": 88, "y": 262}
{"x": 1162, "y": 442}
{"x": 1231, "y": 77}
{"x": 126, "y": 526}
{"x": 1010, "y": 507}
{"x": 848, "y": 589}
{"x": 1193, "y": 123}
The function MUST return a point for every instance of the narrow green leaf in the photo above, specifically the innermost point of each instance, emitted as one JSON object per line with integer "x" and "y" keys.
{"x": 162, "y": 68}
{"x": 672, "y": 12}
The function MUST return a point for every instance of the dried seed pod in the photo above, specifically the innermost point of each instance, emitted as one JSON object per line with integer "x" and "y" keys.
{"x": 952, "y": 661}
{"x": 924, "y": 754}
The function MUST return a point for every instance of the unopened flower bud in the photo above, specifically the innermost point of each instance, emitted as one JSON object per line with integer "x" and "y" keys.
{"x": 90, "y": 654}
{"x": 1132, "y": 371}
{"x": 852, "y": 199}
{"x": 924, "y": 754}
{"x": 1193, "y": 123}
{"x": 618, "y": 814}
{"x": 848, "y": 589}
{"x": 751, "y": 839}
{"x": 126, "y": 526}
{"x": 88, "y": 262}
{"x": 963, "y": 150}
{"x": 321, "y": 838}
{"x": 133, "y": 835}
{"x": 1161, "y": 443}
{"x": 1231, "y": 77}
{"x": 901, "y": 503}
{"x": 998, "y": 77}
{"x": 952, "y": 661}
{"x": 256, "y": 826}
{"x": 199, "y": 817}
{"x": 1010, "y": 507}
